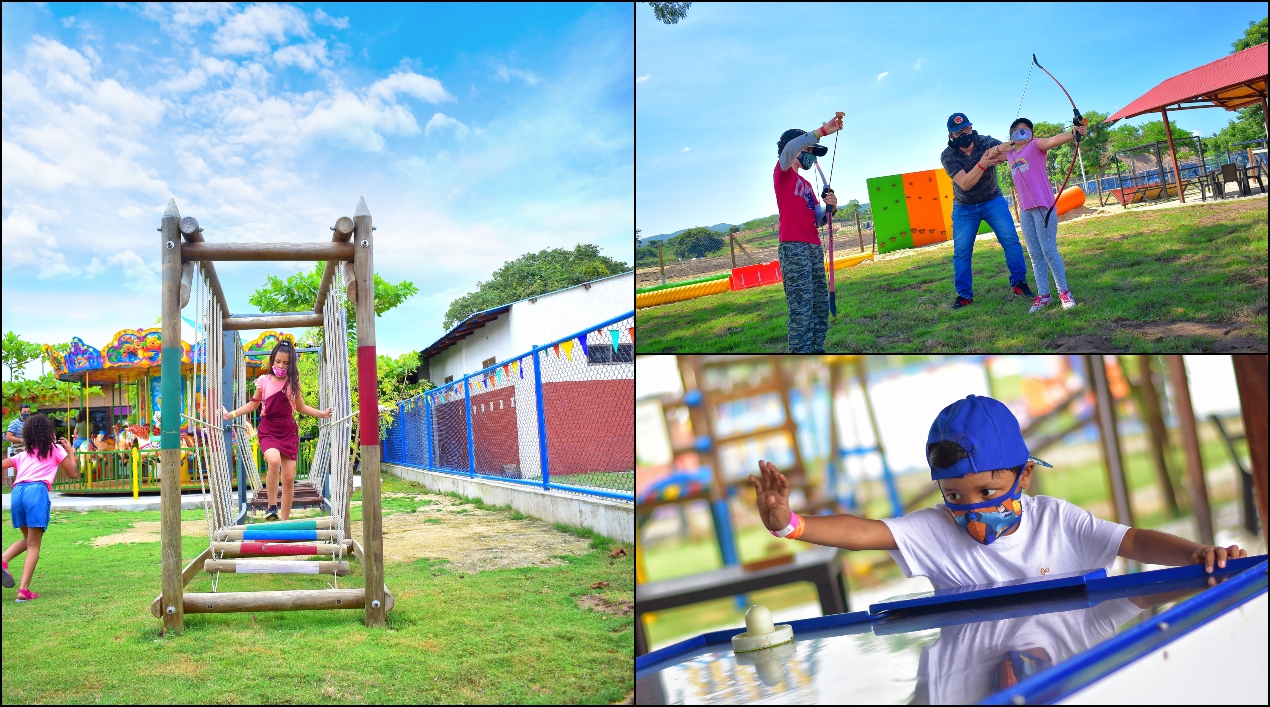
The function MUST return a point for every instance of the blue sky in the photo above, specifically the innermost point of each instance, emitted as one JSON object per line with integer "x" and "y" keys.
{"x": 716, "y": 90}
{"x": 476, "y": 133}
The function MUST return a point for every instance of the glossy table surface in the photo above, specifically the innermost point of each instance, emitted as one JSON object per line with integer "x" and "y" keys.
{"x": 937, "y": 649}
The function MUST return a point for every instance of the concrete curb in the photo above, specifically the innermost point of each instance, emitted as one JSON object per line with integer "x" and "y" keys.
{"x": 614, "y": 519}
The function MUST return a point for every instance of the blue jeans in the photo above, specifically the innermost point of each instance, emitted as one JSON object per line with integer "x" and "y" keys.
{"x": 966, "y": 218}
{"x": 1042, "y": 246}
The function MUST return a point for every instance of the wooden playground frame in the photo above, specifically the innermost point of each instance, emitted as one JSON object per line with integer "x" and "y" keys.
{"x": 352, "y": 247}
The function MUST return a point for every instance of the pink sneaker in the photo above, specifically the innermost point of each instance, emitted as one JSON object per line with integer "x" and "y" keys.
{"x": 8, "y": 578}
{"x": 1039, "y": 302}
{"x": 1066, "y": 298}
{"x": 25, "y": 595}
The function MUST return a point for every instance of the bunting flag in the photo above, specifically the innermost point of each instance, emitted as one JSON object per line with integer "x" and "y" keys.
{"x": 614, "y": 334}
{"x": 568, "y": 348}
{"x": 507, "y": 371}
{"x": 498, "y": 374}
{"x": 517, "y": 367}
{"x": 556, "y": 348}
{"x": 585, "y": 351}
{"x": 632, "y": 333}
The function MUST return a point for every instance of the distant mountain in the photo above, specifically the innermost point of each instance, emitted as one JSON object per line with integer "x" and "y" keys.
{"x": 720, "y": 227}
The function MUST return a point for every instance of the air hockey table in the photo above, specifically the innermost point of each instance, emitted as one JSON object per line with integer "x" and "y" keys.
{"x": 1177, "y": 635}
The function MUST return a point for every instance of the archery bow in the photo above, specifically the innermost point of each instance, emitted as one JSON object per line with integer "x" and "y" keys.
{"x": 1078, "y": 120}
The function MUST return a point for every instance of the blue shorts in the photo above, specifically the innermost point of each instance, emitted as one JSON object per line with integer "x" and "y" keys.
{"x": 30, "y": 505}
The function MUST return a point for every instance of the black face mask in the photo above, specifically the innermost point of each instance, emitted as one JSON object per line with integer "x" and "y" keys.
{"x": 963, "y": 141}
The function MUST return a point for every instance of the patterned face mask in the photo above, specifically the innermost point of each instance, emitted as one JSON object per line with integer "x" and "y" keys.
{"x": 990, "y": 519}
{"x": 806, "y": 159}
{"x": 1021, "y": 135}
{"x": 280, "y": 371}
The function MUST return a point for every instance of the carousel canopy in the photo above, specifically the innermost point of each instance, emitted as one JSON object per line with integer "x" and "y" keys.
{"x": 131, "y": 353}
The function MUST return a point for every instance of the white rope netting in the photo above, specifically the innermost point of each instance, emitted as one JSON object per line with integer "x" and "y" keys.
{"x": 242, "y": 431}
{"x": 336, "y": 394}
{"x": 214, "y": 475}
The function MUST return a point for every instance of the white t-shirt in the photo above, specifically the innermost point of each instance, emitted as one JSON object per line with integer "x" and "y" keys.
{"x": 1053, "y": 537}
{"x": 962, "y": 666}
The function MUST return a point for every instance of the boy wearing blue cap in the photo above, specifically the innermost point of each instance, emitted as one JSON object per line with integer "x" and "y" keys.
{"x": 986, "y": 530}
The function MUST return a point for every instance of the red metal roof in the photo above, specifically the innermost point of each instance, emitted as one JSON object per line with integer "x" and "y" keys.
{"x": 1231, "y": 82}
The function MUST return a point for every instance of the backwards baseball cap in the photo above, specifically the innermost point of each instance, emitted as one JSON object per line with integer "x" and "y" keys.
{"x": 24, "y": 406}
{"x": 987, "y": 430}
{"x": 957, "y": 121}
{"x": 817, "y": 150}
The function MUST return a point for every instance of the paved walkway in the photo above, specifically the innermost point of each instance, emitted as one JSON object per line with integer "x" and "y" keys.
{"x": 190, "y": 500}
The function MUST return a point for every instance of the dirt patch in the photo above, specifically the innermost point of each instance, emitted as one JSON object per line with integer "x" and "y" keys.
{"x": 605, "y": 606}
{"x": 1243, "y": 344}
{"x": 148, "y": 532}
{"x": 1084, "y": 343}
{"x": 1159, "y": 330}
{"x": 472, "y": 541}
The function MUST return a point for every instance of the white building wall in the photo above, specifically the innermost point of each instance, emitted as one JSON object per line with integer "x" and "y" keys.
{"x": 568, "y": 311}
{"x": 492, "y": 340}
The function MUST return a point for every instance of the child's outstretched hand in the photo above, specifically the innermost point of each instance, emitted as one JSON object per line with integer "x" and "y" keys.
{"x": 225, "y": 414}
{"x": 772, "y": 496}
{"x": 1208, "y": 554}
{"x": 326, "y": 413}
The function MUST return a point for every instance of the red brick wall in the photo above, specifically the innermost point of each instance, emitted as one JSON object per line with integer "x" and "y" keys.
{"x": 590, "y": 426}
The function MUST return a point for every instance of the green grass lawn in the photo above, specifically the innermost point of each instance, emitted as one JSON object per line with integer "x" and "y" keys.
{"x": 498, "y": 636}
{"x": 1189, "y": 279}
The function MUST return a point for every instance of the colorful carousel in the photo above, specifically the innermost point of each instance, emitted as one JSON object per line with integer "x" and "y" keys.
{"x": 120, "y": 452}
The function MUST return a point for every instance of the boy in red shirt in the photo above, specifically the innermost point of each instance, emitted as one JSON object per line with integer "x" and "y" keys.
{"x": 801, "y": 256}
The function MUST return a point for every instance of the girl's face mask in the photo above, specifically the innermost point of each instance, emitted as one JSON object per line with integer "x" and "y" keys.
{"x": 1021, "y": 135}
{"x": 280, "y": 371}
{"x": 990, "y": 519}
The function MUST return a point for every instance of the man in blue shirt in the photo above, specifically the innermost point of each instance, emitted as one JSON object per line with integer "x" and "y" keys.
{"x": 970, "y": 160}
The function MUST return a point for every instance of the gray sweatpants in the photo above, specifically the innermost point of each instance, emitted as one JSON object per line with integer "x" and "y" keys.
{"x": 806, "y": 295}
{"x": 1042, "y": 248}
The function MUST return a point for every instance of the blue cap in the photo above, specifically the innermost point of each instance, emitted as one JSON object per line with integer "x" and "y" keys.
{"x": 956, "y": 122}
{"x": 986, "y": 429}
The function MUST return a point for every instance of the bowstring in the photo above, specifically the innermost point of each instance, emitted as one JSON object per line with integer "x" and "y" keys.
{"x": 1025, "y": 83}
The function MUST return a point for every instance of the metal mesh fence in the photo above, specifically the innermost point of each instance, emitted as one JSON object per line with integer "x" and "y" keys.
{"x": 560, "y": 416}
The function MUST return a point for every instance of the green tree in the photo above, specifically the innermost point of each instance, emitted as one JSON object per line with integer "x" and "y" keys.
{"x": 696, "y": 243}
{"x": 298, "y": 293}
{"x": 670, "y": 12}
{"x": 1254, "y": 35}
{"x": 17, "y": 353}
{"x": 533, "y": 274}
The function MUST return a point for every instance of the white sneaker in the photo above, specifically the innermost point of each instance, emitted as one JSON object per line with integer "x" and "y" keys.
{"x": 1066, "y": 298}
{"x": 1039, "y": 302}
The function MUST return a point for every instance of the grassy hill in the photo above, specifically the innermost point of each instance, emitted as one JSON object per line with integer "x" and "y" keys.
{"x": 1188, "y": 279}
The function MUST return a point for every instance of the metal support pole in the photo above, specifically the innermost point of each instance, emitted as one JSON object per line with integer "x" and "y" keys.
{"x": 1177, "y": 175}
{"x": 471, "y": 446}
{"x": 1109, "y": 437}
{"x": 427, "y": 431}
{"x": 1196, "y": 487}
{"x": 229, "y": 344}
{"x": 542, "y": 415}
{"x": 891, "y": 492}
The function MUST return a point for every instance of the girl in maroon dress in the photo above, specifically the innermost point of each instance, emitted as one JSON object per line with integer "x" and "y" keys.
{"x": 278, "y": 435}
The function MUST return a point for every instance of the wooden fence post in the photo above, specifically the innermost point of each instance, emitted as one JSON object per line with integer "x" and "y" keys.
{"x": 368, "y": 419}
{"x": 172, "y": 605}
{"x": 661, "y": 265}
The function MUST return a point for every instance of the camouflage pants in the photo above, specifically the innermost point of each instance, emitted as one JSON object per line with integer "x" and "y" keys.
{"x": 803, "y": 275}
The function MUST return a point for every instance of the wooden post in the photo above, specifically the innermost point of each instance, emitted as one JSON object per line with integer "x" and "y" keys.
{"x": 287, "y": 600}
{"x": 661, "y": 265}
{"x": 187, "y": 276}
{"x": 273, "y": 321}
{"x": 1250, "y": 376}
{"x": 341, "y": 232}
{"x": 1196, "y": 487}
{"x": 1177, "y": 175}
{"x": 268, "y": 251}
{"x": 193, "y": 234}
{"x": 732, "y": 247}
{"x": 368, "y": 419}
{"x": 1109, "y": 437}
{"x": 859, "y": 233}
{"x": 170, "y": 437}
{"x": 1158, "y": 436}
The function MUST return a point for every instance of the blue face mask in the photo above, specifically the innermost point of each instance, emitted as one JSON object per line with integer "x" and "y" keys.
{"x": 990, "y": 519}
{"x": 806, "y": 159}
{"x": 1021, "y": 134}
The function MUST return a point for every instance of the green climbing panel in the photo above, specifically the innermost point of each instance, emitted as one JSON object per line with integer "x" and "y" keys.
{"x": 984, "y": 228}
{"x": 890, "y": 213}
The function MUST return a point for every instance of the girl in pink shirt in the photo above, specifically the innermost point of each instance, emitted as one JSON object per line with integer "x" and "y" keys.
{"x": 278, "y": 435}
{"x": 36, "y": 469}
{"x": 1036, "y": 196}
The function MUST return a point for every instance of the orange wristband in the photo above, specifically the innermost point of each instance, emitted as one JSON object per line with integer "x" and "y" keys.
{"x": 798, "y": 529}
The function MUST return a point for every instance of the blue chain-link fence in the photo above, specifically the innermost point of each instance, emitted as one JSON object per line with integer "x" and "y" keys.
{"x": 561, "y": 416}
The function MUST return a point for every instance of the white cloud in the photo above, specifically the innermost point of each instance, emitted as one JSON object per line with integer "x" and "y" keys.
{"x": 137, "y": 276}
{"x": 883, "y": 74}
{"x": 502, "y": 73}
{"x": 642, "y": 79}
{"x": 441, "y": 121}
{"x": 686, "y": 149}
{"x": 254, "y": 29}
{"x": 918, "y": 65}
{"x": 306, "y": 56}
{"x": 422, "y": 87}
{"x": 324, "y": 19}
{"x": 68, "y": 20}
